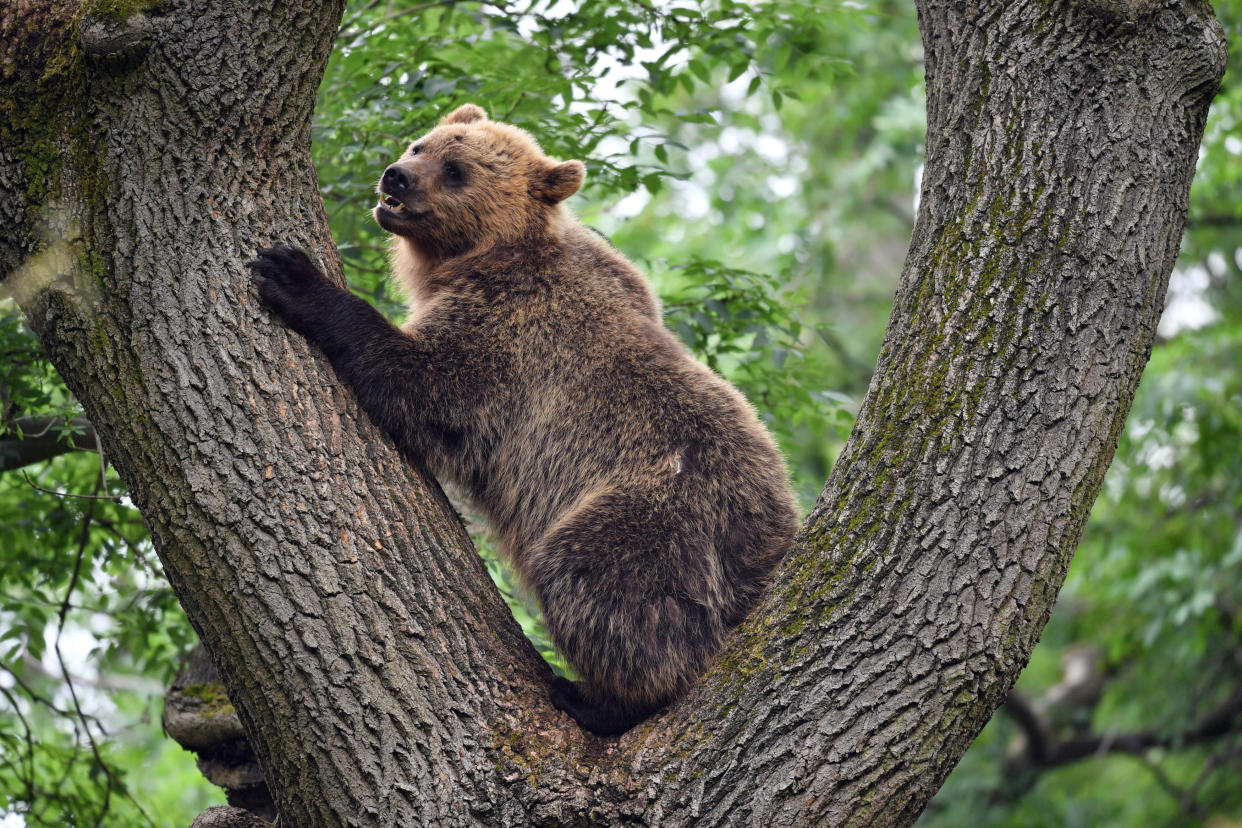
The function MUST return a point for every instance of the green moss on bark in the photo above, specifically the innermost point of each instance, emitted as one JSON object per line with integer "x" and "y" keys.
{"x": 214, "y": 698}
{"x": 43, "y": 119}
{"x": 119, "y": 9}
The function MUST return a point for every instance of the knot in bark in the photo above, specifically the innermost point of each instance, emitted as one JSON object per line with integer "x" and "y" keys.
{"x": 115, "y": 42}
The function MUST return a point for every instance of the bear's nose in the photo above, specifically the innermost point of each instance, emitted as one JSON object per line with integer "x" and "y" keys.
{"x": 396, "y": 180}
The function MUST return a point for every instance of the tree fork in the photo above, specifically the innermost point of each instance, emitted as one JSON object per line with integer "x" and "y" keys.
{"x": 375, "y": 669}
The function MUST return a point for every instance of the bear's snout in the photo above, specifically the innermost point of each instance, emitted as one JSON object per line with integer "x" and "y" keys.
{"x": 397, "y": 180}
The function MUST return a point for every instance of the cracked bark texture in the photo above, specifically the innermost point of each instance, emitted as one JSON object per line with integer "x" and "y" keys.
{"x": 374, "y": 667}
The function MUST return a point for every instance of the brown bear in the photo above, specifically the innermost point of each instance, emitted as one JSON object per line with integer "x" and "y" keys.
{"x": 634, "y": 490}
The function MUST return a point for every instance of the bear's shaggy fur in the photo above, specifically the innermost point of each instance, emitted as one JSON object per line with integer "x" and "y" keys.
{"x": 634, "y": 490}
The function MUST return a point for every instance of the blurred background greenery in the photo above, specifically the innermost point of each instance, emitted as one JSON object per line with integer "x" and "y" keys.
{"x": 760, "y": 161}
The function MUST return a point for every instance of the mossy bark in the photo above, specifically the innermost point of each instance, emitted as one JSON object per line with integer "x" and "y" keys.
{"x": 374, "y": 667}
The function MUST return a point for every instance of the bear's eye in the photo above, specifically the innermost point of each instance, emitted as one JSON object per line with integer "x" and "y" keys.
{"x": 454, "y": 174}
{"x": 415, "y": 149}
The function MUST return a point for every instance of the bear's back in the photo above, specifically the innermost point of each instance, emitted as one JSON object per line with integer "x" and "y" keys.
{"x": 591, "y": 393}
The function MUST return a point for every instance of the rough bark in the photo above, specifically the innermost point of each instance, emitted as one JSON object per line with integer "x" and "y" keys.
{"x": 374, "y": 667}
{"x": 227, "y": 816}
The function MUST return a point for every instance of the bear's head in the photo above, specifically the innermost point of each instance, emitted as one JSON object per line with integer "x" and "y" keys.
{"x": 472, "y": 183}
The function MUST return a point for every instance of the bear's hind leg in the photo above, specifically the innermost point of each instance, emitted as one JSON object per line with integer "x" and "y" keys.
{"x": 599, "y": 719}
{"x": 633, "y": 598}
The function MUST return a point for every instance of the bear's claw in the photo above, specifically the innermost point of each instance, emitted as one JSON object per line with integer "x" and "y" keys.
{"x": 288, "y": 280}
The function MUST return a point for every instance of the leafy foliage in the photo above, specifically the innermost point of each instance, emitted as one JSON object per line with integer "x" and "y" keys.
{"x": 27, "y": 380}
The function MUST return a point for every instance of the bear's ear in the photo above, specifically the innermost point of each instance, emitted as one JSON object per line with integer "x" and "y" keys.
{"x": 464, "y": 114}
{"x": 558, "y": 182}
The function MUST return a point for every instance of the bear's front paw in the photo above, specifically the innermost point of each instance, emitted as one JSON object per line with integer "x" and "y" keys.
{"x": 291, "y": 285}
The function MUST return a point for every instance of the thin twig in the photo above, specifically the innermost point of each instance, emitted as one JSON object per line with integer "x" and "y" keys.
{"x": 1189, "y": 802}
{"x": 133, "y": 546}
{"x": 1162, "y": 778}
{"x": 28, "y": 775}
{"x": 112, "y": 781}
{"x": 351, "y": 265}
{"x": 393, "y": 16}
{"x": 35, "y": 697}
{"x": 103, "y": 463}
{"x": 35, "y": 486}
{"x": 64, "y": 669}
{"x": 51, "y": 422}
{"x": 356, "y": 15}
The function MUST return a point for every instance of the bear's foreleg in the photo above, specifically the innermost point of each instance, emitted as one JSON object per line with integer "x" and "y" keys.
{"x": 385, "y": 367}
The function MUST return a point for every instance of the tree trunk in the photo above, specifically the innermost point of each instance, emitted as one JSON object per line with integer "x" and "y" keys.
{"x": 375, "y": 668}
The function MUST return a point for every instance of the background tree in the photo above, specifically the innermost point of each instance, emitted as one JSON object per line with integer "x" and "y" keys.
{"x": 450, "y": 54}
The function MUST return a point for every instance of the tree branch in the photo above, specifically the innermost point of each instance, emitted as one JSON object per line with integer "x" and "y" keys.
{"x": 1044, "y": 751}
{"x": 1214, "y": 220}
{"x": 1032, "y": 725}
{"x": 1222, "y": 721}
{"x": 27, "y": 440}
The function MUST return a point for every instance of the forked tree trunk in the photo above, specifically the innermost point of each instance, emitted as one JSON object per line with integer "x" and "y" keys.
{"x": 374, "y": 666}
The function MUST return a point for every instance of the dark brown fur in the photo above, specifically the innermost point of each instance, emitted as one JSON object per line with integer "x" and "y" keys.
{"x": 634, "y": 490}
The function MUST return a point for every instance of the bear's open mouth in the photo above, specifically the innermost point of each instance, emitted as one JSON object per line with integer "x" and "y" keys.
{"x": 391, "y": 203}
